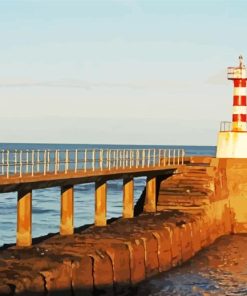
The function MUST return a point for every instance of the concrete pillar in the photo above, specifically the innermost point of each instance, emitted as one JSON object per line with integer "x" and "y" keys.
{"x": 128, "y": 198}
{"x": 100, "y": 203}
{"x": 67, "y": 210}
{"x": 150, "y": 200}
{"x": 24, "y": 219}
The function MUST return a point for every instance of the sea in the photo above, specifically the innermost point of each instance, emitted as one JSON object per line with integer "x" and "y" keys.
{"x": 46, "y": 202}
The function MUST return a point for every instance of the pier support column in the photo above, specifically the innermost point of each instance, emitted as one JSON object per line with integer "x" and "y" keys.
{"x": 128, "y": 198}
{"x": 24, "y": 219}
{"x": 100, "y": 203}
{"x": 150, "y": 200}
{"x": 67, "y": 210}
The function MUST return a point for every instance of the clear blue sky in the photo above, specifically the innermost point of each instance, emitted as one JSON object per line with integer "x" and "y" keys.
{"x": 119, "y": 71}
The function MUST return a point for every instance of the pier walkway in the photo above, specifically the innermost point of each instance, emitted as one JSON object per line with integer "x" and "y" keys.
{"x": 24, "y": 171}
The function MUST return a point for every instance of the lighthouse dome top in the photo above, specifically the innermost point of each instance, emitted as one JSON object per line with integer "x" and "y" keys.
{"x": 237, "y": 72}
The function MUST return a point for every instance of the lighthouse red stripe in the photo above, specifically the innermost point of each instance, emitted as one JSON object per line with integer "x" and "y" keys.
{"x": 239, "y": 117}
{"x": 239, "y": 101}
{"x": 239, "y": 82}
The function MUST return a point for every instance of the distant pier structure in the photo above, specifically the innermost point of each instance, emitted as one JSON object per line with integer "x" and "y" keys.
{"x": 232, "y": 138}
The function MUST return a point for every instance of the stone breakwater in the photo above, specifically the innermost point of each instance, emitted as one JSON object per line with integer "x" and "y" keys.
{"x": 112, "y": 260}
{"x": 109, "y": 260}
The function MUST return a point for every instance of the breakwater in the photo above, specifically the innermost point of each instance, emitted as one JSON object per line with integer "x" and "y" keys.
{"x": 113, "y": 259}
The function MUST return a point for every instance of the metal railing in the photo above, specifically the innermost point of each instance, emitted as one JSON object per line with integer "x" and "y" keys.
{"x": 236, "y": 73}
{"x": 227, "y": 126}
{"x": 32, "y": 162}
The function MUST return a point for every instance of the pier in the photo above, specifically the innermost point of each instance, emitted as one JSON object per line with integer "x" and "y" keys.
{"x": 24, "y": 171}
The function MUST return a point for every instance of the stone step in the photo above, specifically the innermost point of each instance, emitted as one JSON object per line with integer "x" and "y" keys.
{"x": 185, "y": 185}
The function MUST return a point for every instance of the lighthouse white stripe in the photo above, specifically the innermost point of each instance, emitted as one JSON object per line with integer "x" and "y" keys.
{"x": 239, "y": 91}
{"x": 239, "y": 110}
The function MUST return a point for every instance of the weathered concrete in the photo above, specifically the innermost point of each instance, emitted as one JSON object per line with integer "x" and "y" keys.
{"x": 24, "y": 219}
{"x": 233, "y": 183}
{"x": 197, "y": 205}
{"x": 128, "y": 198}
{"x": 100, "y": 203}
{"x": 67, "y": 210}
{"x": 150, "y": 201}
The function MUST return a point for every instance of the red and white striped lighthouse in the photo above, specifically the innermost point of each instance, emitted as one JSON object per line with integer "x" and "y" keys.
{"x": 232, "y": 138}
{"x": 239, "y": 115}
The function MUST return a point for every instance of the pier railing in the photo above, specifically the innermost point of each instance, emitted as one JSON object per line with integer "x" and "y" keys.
{"x": 33, "y": 162}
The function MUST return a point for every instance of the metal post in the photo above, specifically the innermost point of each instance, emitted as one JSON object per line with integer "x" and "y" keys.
{"x": 21, "y": 163}
{"x": 154, "y": 157}
{"x": 93, "y": 159}
{"x": 117, "y": 159}
{"x": 48, "y": 160}
{"x": 32, "y": 161}
{"x": 149, "y": 157}
{"x": 109, "y": 159}
{"x": 2, "y": 162}
{"x": 44, "y": 162}
{"x": 55, "y": 161}
{"x": 143, "y": 157}
{"x": 183, "y": 154}
{"x": 27, "y": 156}
{"x": 137, "y": 158}
{"x": 130, "y": 158}
{"x": 7, "y": 163}
{"x": 66, "y": 161}
{"x": 38, "y": 161}
{"x": 15, "y": 162}
{"x": 58, "y": 160}
{"x": 124, "y": 159}
{"x": 159, "y": 157}
{"x": 121, "y": 158}
{"x": 101, "y": 159}
{"x": 85, "y": 160}
{"x": 76, "y": 160}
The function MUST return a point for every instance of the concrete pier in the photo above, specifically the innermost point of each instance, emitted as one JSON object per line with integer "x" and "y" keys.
{"x": 128, "y": 198}
{"x": 100, "y": 203}
{"x": 150, "y": 201}
{"x": 67, "y": 210}
{"x": 24, "y": 219}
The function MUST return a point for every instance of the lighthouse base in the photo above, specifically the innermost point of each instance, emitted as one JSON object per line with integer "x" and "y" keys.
{"x": 232, "y": 145}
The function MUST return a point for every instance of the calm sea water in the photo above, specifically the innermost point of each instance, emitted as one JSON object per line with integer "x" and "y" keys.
{"x": 46, "y": 202}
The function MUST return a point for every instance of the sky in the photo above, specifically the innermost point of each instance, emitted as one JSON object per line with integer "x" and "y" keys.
{"x": 118, "y": 71}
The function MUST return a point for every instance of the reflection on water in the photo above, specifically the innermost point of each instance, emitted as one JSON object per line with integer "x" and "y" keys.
{"x": 220, "y": 270}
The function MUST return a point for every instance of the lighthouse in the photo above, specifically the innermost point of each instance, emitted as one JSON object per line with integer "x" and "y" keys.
{"x": 232, "y": 138}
